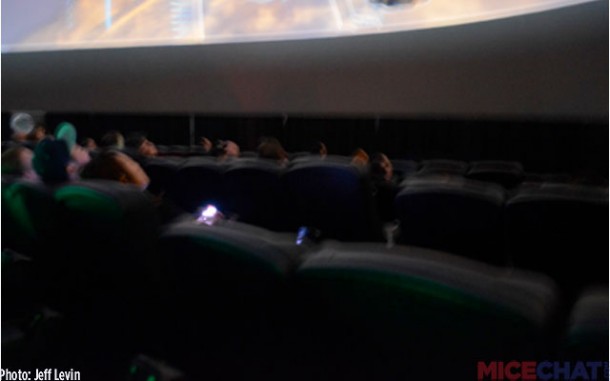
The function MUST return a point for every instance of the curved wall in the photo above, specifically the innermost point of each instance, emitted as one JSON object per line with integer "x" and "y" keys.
{"x": 547, "y": 65}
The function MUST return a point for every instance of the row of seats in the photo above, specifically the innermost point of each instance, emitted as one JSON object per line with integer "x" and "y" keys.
{"x": 239, "y": 301}
{"x": 96, "y": 262}
{"x": 505, "y": 173}
{"x": 540, "y": 227}
{"x": 324, "y": 194}
{"x": 358, "y": 309}
{"x": 534, "y": 226}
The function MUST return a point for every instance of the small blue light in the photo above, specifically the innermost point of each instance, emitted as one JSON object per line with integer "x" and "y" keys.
{"x": 302, "y": 233}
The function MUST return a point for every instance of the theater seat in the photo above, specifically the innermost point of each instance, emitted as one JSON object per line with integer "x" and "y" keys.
{"x": 117, "y": 224}
{"x": 334, "y": 197}
{"x": 22, "y": 288}
{"x": 453, "y": 214}
{"x": 229, "y": 285}
{"x": 378, "y": 313}
{"x": 31, "y": 217}
{"x": 561, "y": 230}
{"x": 587, "y": 332}
{"x": 404, "y": 168}
{"x": 255, "y": 193}
{"x": 178, "y": 150}
{"x": 506, "y": 173}
{"x": 162, "y": 173}
{"x": 200, "y": 181}
{"x": 230, "y": 251}
{"x": 442, "y": 166}
{"x": 113, "y": 277}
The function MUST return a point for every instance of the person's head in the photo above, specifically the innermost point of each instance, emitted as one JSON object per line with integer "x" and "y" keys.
{"x": 319, "y": 148}
{"x": 38, "y": 133}
{"x": 232, "y": 149}
{"x": 271, "y": 148}
{"x": 224, "y": 149}
{"x": 80, "y": 156}
{"x": 89, "y": 144}
{"x": 17, "y": 161}
{"x": 51, "y": 161}
{"x": 141, "y": 145}
{"x": 381, "y": 167}
{"x": 21, "y": 125}
{"x": 117, "y": 166}
{"x": 206, "y": 144}
{"x": 360, "y": 157}
{"x": 112, "y": 139}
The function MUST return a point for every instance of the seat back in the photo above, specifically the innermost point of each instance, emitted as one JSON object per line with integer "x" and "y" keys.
{"x": 506, "y": 173}
{"x": 162, "y": 174}
{"x": 453, "y": 214}
{"x": 561, "y": 230}
{"x": 334, "y": 197}
{"x": 228, "y": 298}
{"x": 443, "y": 167}
{"x": 255, "y": 193}
{"x": 586, "y": 336}
{"x": 31, "y": 217}
{"x": 112, "y": 280}
{"x": 404, "y": 168}
{"x": 227, "y": 255}
{"x": 394, "y": 313}
{"x": 117, "y": 226}
{"x": 200, "y": 181}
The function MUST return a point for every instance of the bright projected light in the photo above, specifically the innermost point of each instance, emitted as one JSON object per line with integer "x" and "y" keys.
{"x": 29, "y": 25}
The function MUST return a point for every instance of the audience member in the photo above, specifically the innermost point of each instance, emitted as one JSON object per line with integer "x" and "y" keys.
{"x": 386, "y": 189}
{"x": 319, "y": 148}
{"x": 89, "y": 144}
{"x": 51, "y": 162}
{"x": 113, "y": 139}
{"x": 381, "y": 168}
{"x": 21, "y": 125}
{"x": 206, "y": 144}
{"x": 271, "y": 148}
{"x": 360, "y": 158}
{"x": 17, "y": 163}
{"x": 224, "y": 149}
{"x": 140, "y": 148}
{"x": 36, "y": 135}
{"x": 115, "y": 165}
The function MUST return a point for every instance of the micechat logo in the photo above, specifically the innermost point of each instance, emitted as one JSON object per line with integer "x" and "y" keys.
{"x": 542, "y": 370}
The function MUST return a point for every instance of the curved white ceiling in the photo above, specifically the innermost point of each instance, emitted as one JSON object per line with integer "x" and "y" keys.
{"x": 29, "y": 25}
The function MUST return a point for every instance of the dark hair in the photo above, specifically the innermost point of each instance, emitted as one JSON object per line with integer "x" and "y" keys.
{"x": 271, "y": 148}
{"x": 103, "y": 166}
{"x": 377, "y": 170}
{"x": 135, "y": 140}
{"x": 11, "y": 161}
{"x": 219, "y": 148}
{"x": 111, "y": 139}
{"x": 37, "y": 127}
{"x": 316, "y": 148}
